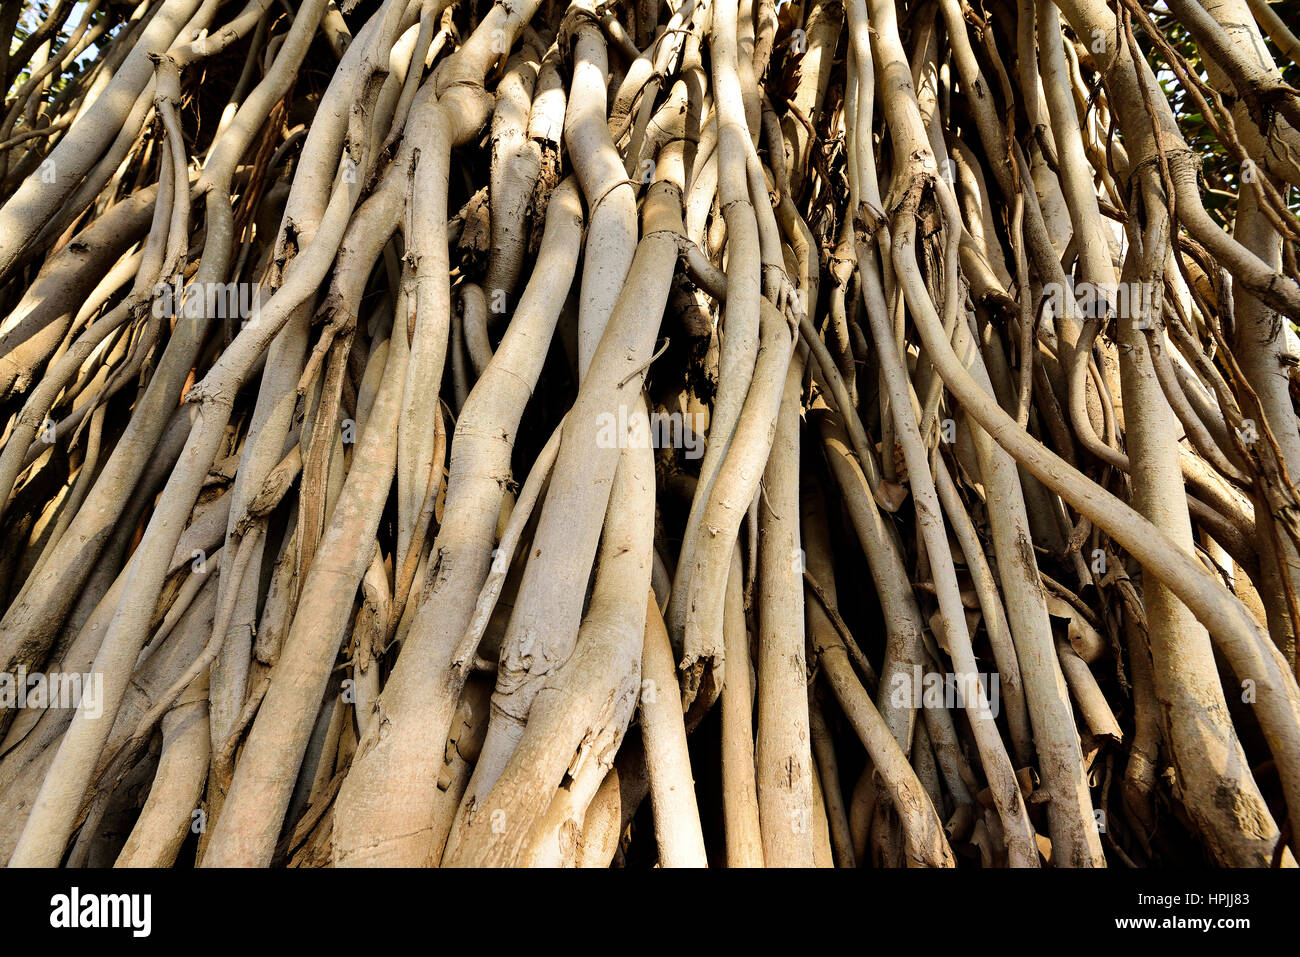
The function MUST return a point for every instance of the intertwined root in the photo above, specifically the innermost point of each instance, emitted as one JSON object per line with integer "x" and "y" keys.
{"x": 865, "y": 428}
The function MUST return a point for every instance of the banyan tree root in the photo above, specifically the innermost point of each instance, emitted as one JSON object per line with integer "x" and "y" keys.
{"x": 702, "y": 432}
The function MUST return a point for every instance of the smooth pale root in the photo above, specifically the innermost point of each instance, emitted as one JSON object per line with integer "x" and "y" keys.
{"x": 823, "y": 854}
{"x": 612, "y": 807}
{"x": 368, "y": 635}
{"x": 462, "y": 747}
{"x": 611, "y": 200}
{"x": 826, "y": 783}
{"x": 739, "y": 789}
{"x": 246, "y": 832}
{"x": 823, "y": 31}
{"x": 81, "y": 654}
{"x": 384, "y": 809}
{"x": 579, "y": 715}
{"x": 548, "y": 607}
{"x": 62, "y": 371}
{"x": 1262, "y": 351}
{"x": 167, "y": 816}
{"x": 1236, "y": 58}
{"x": 604, "y": 818}
{"x": 521, "y": 513}
{"x": 29, "y": 623}
{"x": 1087, "y": 694}
{"x": 110, "y": 169}
{"x": 703, "y": 649}
{"x": 783, "y": 749}
{"x": 431, "y": 135}
{"x": 740, "y": 332}
{"x": 1207, "y": 755}
{"x": 903, "y": 650}
{"x": 736, "y": 485}
{"x": 925, "y": 841}
{"x": 1076, "y": 174}
{"x": 516, "y": 161}
{"x": 590, "y": 813}
{"x": 668, "y": 763}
